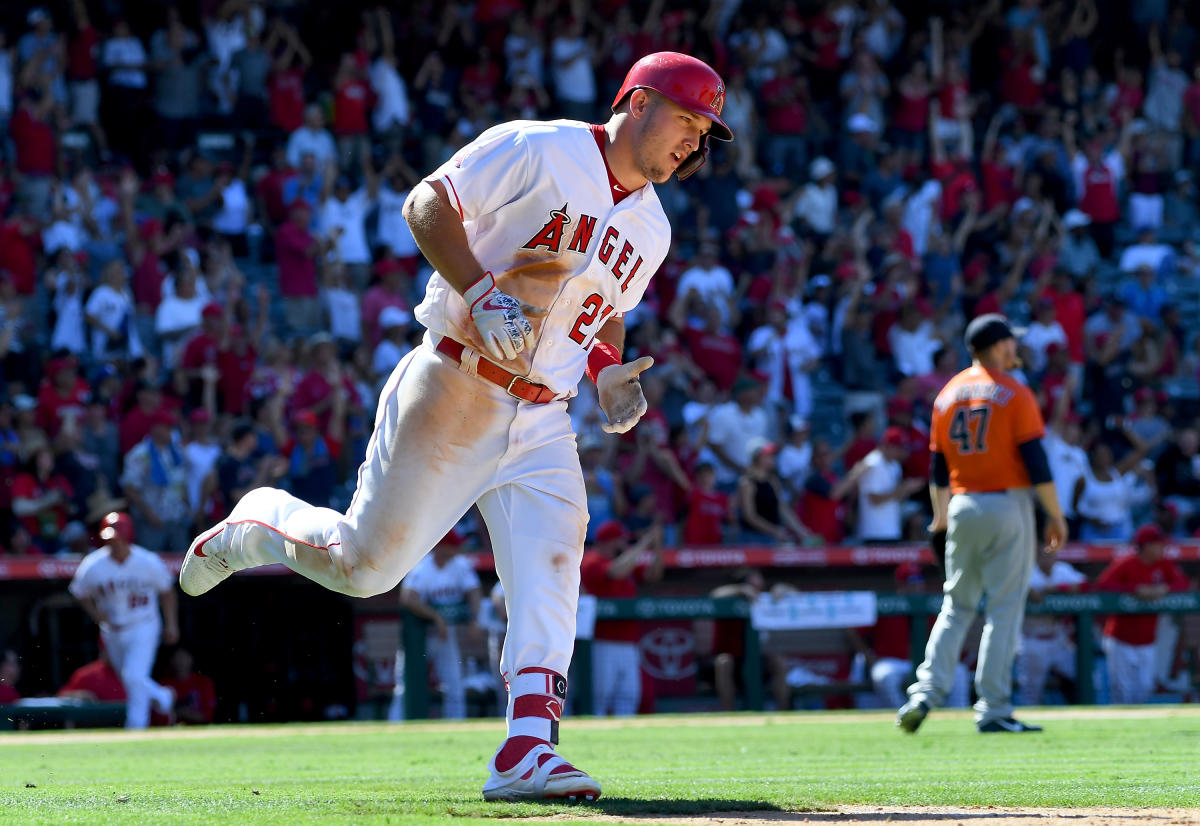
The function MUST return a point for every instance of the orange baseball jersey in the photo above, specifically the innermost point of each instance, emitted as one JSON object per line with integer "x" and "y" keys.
{"x": 979, "y": 419}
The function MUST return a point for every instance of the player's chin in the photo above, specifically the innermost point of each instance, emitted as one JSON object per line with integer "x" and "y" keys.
{"x": 658, "y": 175}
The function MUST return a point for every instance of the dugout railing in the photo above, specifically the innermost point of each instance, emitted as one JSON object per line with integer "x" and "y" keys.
{"x": 1084, "y": 608}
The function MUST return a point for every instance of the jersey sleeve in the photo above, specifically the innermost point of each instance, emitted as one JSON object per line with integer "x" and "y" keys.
{"x": 491, "y": 171}
{"x": 160, "y": 573}
{"x": 468, "y": 579}
{"x": 1027, "y": 418}
{"x": 79, "y": 586}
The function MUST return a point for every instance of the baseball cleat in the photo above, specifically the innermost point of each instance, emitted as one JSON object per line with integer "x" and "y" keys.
{"x": 205, "y": 566}
{"x": 531, "y": 779}
{"x": 911, "y": 715}
{"x": 1008, "y": 724}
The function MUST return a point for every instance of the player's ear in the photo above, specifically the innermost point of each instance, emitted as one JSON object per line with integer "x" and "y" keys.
{"x": 640, "y": 102}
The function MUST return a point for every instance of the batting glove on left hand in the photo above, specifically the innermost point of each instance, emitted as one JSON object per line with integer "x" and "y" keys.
{"x": 501, "y": 319}
{"x": 621, "y": 396}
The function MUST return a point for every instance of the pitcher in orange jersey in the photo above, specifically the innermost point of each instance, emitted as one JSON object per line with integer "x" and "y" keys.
{"x": 985, "y": 437}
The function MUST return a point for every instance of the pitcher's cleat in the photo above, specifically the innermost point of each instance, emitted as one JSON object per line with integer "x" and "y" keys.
{"x": 204, "y": 567}
{"x": 911, "y": 715}
{"x": 532, "y": 779}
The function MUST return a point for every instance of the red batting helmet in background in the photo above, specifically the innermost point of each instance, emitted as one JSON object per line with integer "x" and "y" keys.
{"x": 689, "y": 82}
{"x": 116, "y": 524}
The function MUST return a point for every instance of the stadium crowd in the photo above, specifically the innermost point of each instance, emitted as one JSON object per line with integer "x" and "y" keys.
{"x": 205, "y": 275}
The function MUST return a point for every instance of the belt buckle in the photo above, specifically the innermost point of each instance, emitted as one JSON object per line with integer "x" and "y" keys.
{"x": 511, "y": 382}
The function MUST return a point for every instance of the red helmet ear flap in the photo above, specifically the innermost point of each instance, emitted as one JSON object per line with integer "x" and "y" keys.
{"x": 692, "y": 163}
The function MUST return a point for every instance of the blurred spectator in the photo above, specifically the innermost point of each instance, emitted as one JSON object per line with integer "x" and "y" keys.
{"x": 41, "y": 500}
{"x": 1128, "y": 640}
{"x": 10, "y": 675}
{"x": 709, "y": 511}
{"x": 573, "y": 70}
{"x": 195, "y": 694}
{"x": 109, "y": 312}
{"x": 74, "y": 540}
{"x": 885, "y": 649}
{"x": 298, "y": 252}
{"x": 1107, "y": 493}
{"x": 731, "y": 428}
{"x": 444, "y": 591}
{"x": 312, "y": 455}
{"x": 123, "y": 97}
{"x": 613, "y": 569}
{"x": 729, "y": 645}
{"x": 95, "y": 682}
{"x": 1046, "y": 646}
{"x": 1177, "y": 473}
{"x": 155, "y": 482}
{"x": 766, "y": 517}
{"x": 312, "y": 139}
{"x": 881, "y": 489}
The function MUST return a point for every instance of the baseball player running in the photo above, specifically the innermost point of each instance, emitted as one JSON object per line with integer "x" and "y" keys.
{"x": 543, "y": 235}
{"x": 122, "y": 587}
{"x": 987, "y": 452}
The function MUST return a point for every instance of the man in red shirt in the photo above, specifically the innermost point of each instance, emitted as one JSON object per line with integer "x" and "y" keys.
{"x": 707, "y": 509}
{"x": 10, "y": 673}
{"x": 716, "y": 352}
{"x": 195, "y": 695}
{"x": 298, "y": 252}
{"x": 886, "y": 647}
{"x": 62, "y": 397}
{"x": 95, "y": 681}
{"x": 352, "y": 103}
{"x": 612, "y": 569}
{"x": 1129, "y": 638}
{"x": 785, "y": 100}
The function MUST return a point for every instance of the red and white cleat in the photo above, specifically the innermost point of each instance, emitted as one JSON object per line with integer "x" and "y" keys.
{"x": 532, "y": 779}
{"x": 204, "y": 567}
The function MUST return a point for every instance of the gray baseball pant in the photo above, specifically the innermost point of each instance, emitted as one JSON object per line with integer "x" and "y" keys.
{"x": 989, "y": 552}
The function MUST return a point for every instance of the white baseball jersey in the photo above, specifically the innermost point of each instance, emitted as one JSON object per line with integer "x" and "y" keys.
{"x": 1062, "y": 575}
{"x": 127, "y": 592}
{"x": 537, "y": 205}
{"x": 448, "y": 585}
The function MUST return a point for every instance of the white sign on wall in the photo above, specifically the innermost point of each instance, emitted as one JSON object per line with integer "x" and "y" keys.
{"x": 817, "y": 609}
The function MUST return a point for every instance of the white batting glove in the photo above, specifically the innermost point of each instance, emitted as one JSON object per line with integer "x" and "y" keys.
{"x": 621, "y": 396}
{"x": 500, "y": 319}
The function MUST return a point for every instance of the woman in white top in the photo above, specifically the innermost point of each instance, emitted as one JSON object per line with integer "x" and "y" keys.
{"x": 1107, "y": 493}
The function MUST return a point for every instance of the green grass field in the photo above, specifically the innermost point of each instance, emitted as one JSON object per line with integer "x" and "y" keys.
{"x": 431, "y": 773}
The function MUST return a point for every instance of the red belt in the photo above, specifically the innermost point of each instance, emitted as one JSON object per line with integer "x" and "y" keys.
{"x": 516, "y": 386}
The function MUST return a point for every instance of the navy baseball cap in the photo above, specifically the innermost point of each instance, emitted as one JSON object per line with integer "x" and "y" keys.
{"x": 986, "y": 330}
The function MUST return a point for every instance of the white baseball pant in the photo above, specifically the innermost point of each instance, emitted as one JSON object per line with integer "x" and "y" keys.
{"x": 1130, "y": 671}
{"x": 1036, "y": 658}
{"x": 447, "y": 665}
{"x": 889, "y": 676}
{"x": 443, "y": 441}
{"x": 616, "y": 678}
{"x": 132, "y": 651}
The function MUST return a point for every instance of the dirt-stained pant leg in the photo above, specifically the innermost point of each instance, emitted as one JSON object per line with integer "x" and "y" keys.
{"x": 537, "y": 518}
{"x": 439, "y": 435}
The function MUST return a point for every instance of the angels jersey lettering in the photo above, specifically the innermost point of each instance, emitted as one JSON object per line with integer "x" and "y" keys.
{"x": 127, "y": 592}
{"x": 537, "y": 207}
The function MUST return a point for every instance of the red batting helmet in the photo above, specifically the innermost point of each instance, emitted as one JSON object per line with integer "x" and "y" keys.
{"x": 116, "y": 524}
{"x": 689, "y": 82}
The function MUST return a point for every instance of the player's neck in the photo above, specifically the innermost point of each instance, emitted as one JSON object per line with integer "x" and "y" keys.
{"x": 618, "y": 153}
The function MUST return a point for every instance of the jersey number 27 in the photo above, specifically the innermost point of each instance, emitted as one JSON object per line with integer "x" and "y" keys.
{"x": 969, "y": 427}
{"x": 591, "y": 308}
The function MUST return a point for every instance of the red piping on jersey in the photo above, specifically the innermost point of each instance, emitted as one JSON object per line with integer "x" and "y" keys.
{"x": 284, "y": 535}
{"x": 618, "y": 192}
{"x": 458, "y": 203}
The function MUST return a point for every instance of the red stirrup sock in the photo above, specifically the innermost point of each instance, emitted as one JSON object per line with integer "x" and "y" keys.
{"x": 535, "y": 701}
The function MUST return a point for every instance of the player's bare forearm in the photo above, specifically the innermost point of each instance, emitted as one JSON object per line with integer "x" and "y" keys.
{"x": 168, "y": 603}
{"x": 939, "y": 497}
{"x": 613, "y": 332}
{"x": 89, "y": 607}
{"x": 418, "y": 607}
{"x": 1047, "y": 494}
{"x": 437, "y": 228}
